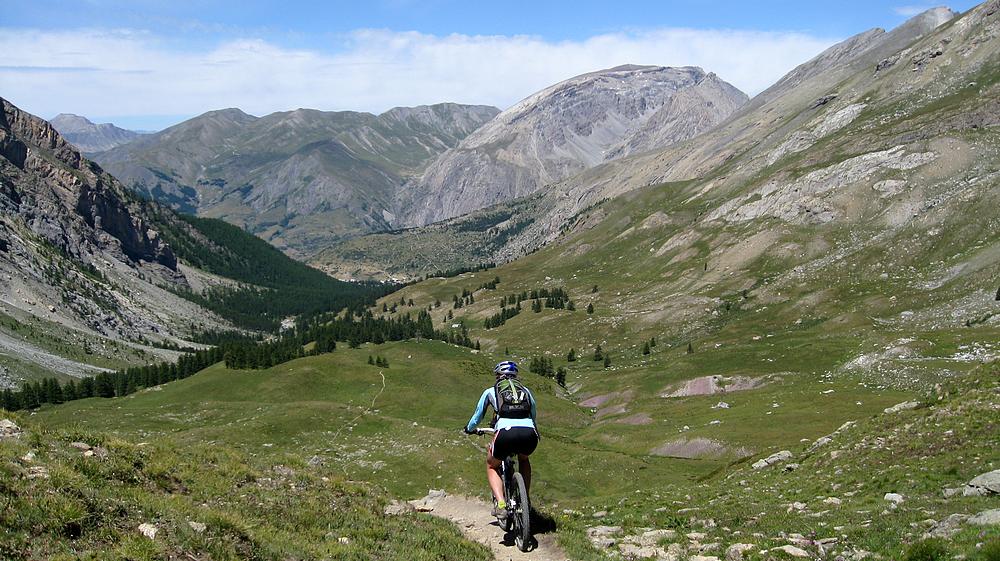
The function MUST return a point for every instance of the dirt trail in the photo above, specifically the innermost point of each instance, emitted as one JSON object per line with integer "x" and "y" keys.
{"x": 472, "y": 517}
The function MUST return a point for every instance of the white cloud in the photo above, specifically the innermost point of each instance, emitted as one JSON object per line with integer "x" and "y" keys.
{"x": 137, "y": 73}
{"x": 910, "y": 11}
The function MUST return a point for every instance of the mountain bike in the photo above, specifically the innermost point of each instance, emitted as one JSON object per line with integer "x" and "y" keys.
{"x": 515, "y": 494}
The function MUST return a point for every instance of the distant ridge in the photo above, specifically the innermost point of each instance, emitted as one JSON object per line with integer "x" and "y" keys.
{"x": 89, "y": 137}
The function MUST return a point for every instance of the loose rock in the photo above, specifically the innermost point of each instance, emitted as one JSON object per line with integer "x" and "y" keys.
{"x": 791, "y": 550}
{"x": 148, "y": 530}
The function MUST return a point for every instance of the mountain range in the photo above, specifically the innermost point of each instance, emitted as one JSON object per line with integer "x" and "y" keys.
{"x": 306, "y": 180}
{"x": 90, "y": 138}
{"x": 301, "y": 179}
{"x": 813, "y": 101}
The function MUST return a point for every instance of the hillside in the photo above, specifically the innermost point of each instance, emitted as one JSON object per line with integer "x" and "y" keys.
{"x": 299, "y": 179}
{"x": 829, "y": 109}
{"x": 89, "y": 495}
{"x": 89, "y": 137}
{"x": 93, "y": 278}
{"x": 563, "y": 130}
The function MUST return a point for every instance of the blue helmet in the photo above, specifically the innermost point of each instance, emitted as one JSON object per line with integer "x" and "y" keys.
{"x": 507, "y": 368}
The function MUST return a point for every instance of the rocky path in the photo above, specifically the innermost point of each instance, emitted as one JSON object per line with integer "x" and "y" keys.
{"x": 472, "y": 516}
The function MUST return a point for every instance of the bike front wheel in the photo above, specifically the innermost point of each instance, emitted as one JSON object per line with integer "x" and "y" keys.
{"x": 521, "y": 517}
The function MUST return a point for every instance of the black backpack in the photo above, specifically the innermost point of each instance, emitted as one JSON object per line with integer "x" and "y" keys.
{"x": 513, "y": 401}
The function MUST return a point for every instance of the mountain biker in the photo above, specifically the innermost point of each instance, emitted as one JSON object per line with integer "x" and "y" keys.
{"x": 515, "y": 430}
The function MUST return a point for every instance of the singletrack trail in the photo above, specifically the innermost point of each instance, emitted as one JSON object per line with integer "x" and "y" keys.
{"x": 472, "y": 516}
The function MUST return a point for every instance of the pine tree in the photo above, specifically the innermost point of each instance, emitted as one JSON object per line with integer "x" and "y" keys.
{"x": 571, "y": 356}
{"x": 652, "y": 341}
{"x": 571, "y": 306}
{"x": 561, "y": 376}
{"x": 598, "y": 354}
{"x": 998, "y": 295}
{"x": 594, "y": 290}
{"x": 590, "y": 308}
{"x": 536, "y": 306}
{"x": 607, "y": 360}
{"x": 690, "y": 349}
{"x": 410, "y": 303}
{"x": 371, "y": 361}
{"x": 478, "y": 347}
{"x": 645, "y": 348}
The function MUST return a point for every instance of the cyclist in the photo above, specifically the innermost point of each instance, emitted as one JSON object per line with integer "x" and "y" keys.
{"x": 514, "y": 420}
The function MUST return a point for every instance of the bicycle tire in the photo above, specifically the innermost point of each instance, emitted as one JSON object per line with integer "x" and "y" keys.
{"x": 522, "y": 516}
{"x": 509, "y": 489}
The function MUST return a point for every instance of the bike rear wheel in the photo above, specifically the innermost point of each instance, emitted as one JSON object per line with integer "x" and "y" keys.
{"x": 521, "y": 515}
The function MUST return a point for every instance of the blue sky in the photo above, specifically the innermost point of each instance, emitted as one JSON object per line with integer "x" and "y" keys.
{"x": 150, "y": 63}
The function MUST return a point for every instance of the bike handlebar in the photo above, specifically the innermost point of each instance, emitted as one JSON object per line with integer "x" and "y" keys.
{"x": 483, "y": 431}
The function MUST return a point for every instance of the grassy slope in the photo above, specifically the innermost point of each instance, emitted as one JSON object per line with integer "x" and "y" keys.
{"x": 260, "y": 509}
{"x": 316, "y": 407}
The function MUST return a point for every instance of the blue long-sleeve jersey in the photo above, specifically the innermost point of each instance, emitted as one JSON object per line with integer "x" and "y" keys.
{"x": 489, "y": 398}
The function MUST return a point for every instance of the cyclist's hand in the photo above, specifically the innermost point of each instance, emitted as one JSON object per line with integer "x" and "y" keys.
{"x": 467, "y": 431}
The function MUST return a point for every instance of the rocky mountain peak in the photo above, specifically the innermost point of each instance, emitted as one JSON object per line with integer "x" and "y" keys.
{"x": 563, "y": 130}
{"x": 89, "y": 137}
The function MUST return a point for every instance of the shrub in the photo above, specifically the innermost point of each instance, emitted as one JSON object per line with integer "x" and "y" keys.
{"x": 927, "y": 550}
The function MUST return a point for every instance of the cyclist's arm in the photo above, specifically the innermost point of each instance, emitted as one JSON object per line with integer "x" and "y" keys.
{"x": 480, "y": 410}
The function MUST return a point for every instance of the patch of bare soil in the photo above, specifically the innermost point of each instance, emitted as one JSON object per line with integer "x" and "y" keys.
{"x": 709, "y": 385}
{"x": 472, "y": 517}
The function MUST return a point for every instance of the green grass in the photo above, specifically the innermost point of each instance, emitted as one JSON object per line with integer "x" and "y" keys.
{"x": 252, "y": 508}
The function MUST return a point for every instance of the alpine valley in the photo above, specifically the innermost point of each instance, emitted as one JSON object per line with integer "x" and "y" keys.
{"x": 756, "y": 328}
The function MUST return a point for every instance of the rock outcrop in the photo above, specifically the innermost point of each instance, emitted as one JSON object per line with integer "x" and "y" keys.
{"x": 68, "y": 200}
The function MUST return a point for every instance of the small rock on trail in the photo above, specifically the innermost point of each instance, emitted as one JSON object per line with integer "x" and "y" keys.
{"x": 473, "y": 519}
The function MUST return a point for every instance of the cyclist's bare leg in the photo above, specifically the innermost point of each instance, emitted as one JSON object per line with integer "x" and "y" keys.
{"x": 493, "y": 476}
{"x": 524, "y": 466}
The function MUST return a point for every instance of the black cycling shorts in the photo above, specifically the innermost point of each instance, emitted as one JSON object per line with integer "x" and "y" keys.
{"x": 515, "y": 440}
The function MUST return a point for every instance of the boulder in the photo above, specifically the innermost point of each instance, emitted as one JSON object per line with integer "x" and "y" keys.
{"x": 736, "y": 551}
{"x": 947, "y": 527}
{"x": 990, "y": 481}
{"x": 198, "y": 527}
{"x": 775, "y": 458}
{"x": 899, "y": 407}
{"x": 9, "y": 429}
{"x": 894, "y": 498}
{"x": 986, "y": 518}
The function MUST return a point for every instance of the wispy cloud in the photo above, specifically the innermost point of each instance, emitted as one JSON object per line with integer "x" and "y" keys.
{"x": 910, "y": 11}
{"x": 372, "y": 70}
